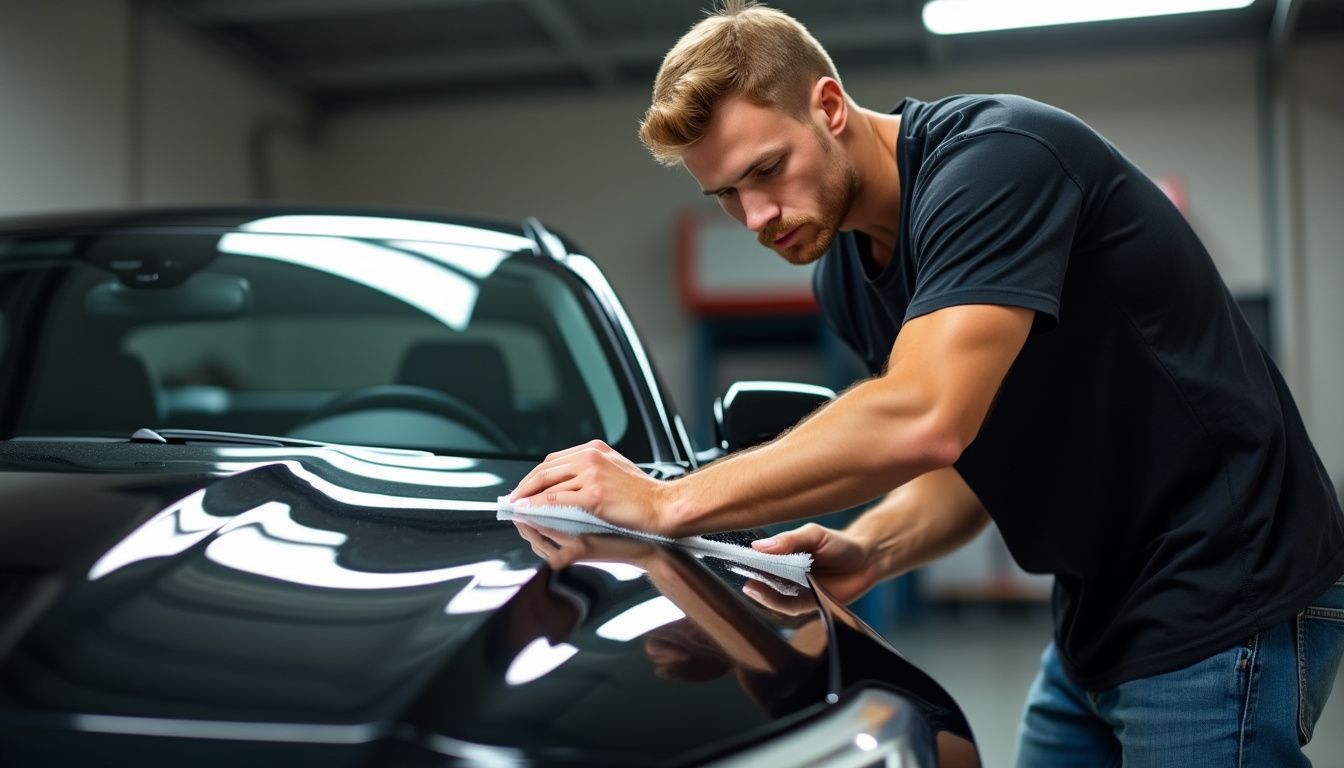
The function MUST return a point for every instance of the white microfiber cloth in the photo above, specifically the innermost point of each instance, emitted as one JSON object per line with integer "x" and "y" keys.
{"x": 576, "y": 520}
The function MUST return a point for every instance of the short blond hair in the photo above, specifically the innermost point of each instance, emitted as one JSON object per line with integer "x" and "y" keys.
{"x": 741, "y": 48}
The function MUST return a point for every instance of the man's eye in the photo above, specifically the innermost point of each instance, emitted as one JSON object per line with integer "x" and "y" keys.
{"x": 767, "y": 172}
{"x": 726, "y": 193}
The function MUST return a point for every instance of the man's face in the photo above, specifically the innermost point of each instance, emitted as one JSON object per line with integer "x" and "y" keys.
{"x": 786, "y": 180}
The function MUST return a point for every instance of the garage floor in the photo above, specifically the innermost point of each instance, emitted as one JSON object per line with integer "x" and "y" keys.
{"x": 987, "y": 658}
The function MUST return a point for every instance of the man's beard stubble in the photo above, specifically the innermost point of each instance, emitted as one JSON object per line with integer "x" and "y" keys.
{"x": 834, "y": 198}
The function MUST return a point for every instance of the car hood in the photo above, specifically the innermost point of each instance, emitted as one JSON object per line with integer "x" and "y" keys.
{"x": 360, "y": 597}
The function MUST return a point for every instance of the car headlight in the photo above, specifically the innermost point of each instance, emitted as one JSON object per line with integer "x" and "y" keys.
{"x": 873, "y": 729}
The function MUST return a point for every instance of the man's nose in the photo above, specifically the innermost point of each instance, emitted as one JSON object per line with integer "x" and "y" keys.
{"x": 758, "y": 210}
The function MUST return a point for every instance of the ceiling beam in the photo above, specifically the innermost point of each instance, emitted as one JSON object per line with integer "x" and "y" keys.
{"x": 422, "y": 69}
{"x": 271, "y": 11}
{"x": 560, "y": 25}
{"x": 454, "y": 67}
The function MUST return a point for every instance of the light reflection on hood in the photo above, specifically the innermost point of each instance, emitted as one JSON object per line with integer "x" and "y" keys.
{"x": 267, "y": 542}
{"x": 489, "y": 590}
{"x": 537, "y": 659}
{"x": 431, "y": 470}
{"x": 174, "y": 530}
{"x": 360, "y": 498}
{"x": 640, "y": 619}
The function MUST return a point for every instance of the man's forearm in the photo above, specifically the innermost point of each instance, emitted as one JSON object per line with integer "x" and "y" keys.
{"x": 944, "y": 371}
{"x": 928, "y": 517}
{"x": 868, "y": 441}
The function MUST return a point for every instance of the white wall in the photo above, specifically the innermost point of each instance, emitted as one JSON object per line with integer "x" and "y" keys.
{"x": 80, "y": 129}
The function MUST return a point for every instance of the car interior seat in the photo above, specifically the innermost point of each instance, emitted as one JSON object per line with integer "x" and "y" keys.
{"x": 472, "y": 371}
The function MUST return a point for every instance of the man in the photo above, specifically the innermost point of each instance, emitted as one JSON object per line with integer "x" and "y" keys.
{"x": 1052, "y": 349}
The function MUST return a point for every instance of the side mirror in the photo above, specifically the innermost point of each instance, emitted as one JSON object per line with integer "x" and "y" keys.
{"x": 754, "y": 412}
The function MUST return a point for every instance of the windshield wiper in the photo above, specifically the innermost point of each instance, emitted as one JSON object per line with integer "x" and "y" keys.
{"x": 185, "y": 436}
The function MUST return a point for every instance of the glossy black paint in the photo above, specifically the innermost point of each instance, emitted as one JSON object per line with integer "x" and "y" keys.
{"x": 220, "y": 604}
{"x": 186, "y": 636}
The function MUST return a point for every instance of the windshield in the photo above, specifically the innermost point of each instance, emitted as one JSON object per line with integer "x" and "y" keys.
{"x": 341, "y": 329}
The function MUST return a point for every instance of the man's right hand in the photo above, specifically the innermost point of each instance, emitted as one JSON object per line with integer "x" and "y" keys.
{"x": 841, "y": 563}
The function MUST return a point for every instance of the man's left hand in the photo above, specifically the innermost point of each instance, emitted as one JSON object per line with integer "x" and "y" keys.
{"x": 593, "y": 476}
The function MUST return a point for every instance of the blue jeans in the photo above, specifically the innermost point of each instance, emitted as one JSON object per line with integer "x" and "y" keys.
{"x": 1252, "y": 705}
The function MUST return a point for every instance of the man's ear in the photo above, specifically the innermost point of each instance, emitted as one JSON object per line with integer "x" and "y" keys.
{"x": 830, "y": 105}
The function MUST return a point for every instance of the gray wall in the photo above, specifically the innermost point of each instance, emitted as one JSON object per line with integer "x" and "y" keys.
{"x": 63, "y": 138}
{"x": 106, "y": 105}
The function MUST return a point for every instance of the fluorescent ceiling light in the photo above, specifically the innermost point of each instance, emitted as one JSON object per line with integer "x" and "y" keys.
{"x": 954, "y": 17}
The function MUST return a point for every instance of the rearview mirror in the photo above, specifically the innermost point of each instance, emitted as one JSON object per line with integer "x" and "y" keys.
{"x": 754, "y": 412}
{"x": 200, "y": 297}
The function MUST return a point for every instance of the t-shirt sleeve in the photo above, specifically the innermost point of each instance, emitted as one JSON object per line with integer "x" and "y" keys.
{"x": 992, "y": 222}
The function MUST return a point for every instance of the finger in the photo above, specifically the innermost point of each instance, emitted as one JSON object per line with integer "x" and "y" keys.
{"x": 592, "y": 446}
{"x": 538, "y": 474}
{"x": 808, "y": 538}
{"x": 529, "y": 481}
{"x": 553, "y": 496}
{"x": 595, "y": 446}
{"x": 544, "y": 476}
{"x": 570, "y": 496}
{"x": 571, "y": 462}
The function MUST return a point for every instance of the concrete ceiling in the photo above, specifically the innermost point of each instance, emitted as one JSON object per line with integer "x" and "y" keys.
{"x": 349, "y": 53}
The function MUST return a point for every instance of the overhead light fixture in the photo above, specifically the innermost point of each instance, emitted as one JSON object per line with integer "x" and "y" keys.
{"x": 955, "y": 17}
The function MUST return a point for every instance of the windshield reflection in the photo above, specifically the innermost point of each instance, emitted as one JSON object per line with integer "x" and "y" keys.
{"x": 386, "y": 228}
{"x": 442, "y": 294}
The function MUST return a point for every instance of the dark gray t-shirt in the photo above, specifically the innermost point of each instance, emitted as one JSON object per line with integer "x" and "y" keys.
{"x": 1143, "y": 448}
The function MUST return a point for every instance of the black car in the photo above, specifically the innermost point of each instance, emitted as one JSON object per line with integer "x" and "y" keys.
{"x": 249, "y": 463}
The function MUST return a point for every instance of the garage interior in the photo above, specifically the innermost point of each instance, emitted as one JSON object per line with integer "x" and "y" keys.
{"x": 513, "y": 108}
